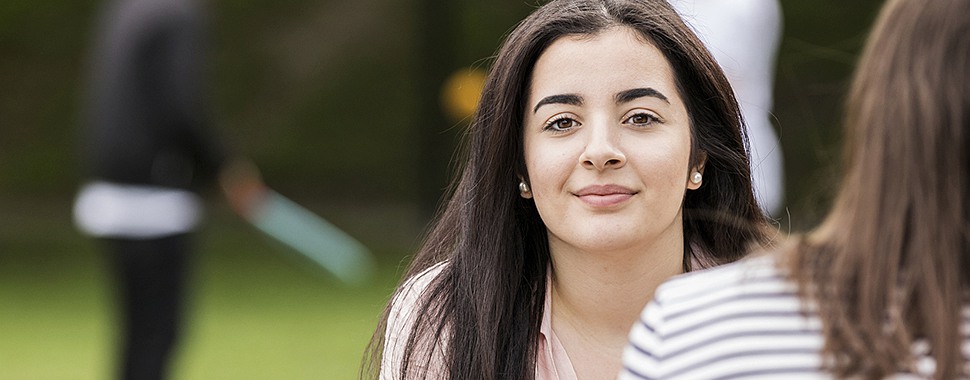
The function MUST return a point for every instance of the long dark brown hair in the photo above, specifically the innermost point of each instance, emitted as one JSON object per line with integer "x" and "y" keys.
{"x": 490, "y": 296}
{"x": 889, "y": 265}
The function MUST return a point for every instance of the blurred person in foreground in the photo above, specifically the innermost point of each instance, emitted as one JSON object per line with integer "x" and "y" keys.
{"x": 149, "y": 154}
{"x": 743, "y": 36}
{"x": 607, "y": 154}
{"x": 880, "y": 288}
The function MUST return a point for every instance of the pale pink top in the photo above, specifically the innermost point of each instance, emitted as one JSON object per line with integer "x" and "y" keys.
{"x": 552, "y": 362}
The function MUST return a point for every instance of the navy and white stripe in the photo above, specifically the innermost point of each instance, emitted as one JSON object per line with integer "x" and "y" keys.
{"x": 743, "y": 320}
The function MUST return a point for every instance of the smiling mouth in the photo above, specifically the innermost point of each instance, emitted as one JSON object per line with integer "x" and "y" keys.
{"x": 604, "y": 195}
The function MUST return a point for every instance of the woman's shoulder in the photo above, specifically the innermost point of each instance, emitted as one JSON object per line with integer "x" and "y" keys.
{"x": 737, "y": 320}
{"x": 759, "y": 273}
{"x": 406, "y": 308}
{"x": 411, "y": 290}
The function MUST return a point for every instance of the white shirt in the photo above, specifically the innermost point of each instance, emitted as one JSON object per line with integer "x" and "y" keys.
{"x": 743, "y": 36}
{"x": 113, "y": 210}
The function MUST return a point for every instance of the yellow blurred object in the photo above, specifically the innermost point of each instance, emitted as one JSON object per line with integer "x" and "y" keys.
{"x": 460, "y": 93}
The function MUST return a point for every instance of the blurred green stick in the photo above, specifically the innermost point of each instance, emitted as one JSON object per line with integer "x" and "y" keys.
{"x": 314, "y": 238}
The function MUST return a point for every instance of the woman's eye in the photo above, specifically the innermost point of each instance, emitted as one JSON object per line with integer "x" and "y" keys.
{"x": 561, "y": 125}
{"x": 642, "y": 119}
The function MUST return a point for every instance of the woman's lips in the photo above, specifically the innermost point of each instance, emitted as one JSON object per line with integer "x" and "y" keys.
{"x": 604, "y": 195}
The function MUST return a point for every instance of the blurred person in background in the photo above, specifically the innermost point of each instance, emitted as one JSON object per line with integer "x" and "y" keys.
{"x": 880, "y": 289}
{"x": 607, "y": 154}
{"x": 743, "y": 36}
{"x": 149, "y": 153}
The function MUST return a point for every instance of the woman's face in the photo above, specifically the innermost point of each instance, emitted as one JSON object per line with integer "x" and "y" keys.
{"x": 607, "y": 144}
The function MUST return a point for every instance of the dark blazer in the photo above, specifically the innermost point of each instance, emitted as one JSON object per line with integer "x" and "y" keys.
{"x": 145, "y": 118}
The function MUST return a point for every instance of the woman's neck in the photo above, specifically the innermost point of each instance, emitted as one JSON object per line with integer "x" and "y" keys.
{"x": 597, "y": 297}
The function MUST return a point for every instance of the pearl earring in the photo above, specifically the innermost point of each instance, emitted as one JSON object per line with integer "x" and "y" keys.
{"x": 523, "y": 187}
{"x": 696, "y": 178}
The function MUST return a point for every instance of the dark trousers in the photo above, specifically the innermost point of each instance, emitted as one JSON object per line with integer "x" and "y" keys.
{"x": 150, "y": 276}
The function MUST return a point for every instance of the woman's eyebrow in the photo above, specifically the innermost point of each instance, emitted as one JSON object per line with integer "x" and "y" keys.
{"x": 631, "y": 94}
{"x": 571, "y": 99}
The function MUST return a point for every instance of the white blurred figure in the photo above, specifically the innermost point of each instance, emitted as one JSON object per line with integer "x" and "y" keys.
{"x": 743, "y": 36}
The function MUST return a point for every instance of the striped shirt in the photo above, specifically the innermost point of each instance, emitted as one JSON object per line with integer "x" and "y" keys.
{"x": 742, "y": 320}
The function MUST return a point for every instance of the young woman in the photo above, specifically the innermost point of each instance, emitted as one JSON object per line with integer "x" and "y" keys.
{"x": 881, "y": 288}
{"x": 607, "y": 155}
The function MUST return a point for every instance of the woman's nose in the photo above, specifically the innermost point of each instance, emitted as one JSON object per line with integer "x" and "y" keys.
{"x": 602, "y": 149}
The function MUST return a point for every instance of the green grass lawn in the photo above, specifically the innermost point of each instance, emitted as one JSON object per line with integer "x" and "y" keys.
{"x": 256, "y": 310}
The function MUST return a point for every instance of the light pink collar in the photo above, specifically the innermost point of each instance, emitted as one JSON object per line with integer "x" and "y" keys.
{"x": 552, "y": 361}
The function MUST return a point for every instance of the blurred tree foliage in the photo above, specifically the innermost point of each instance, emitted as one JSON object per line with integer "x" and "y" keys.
{"x": 338, "y": 100}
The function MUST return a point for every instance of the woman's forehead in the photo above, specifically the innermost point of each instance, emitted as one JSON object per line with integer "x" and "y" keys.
{"x": 614, "y": 59}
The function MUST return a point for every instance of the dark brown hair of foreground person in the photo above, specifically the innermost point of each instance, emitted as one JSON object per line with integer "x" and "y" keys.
{"x": 490, "y": 296}
{"x": 889, "y": 264}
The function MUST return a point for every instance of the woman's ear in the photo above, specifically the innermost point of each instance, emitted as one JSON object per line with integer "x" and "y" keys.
{"x": 696, "y": 176}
